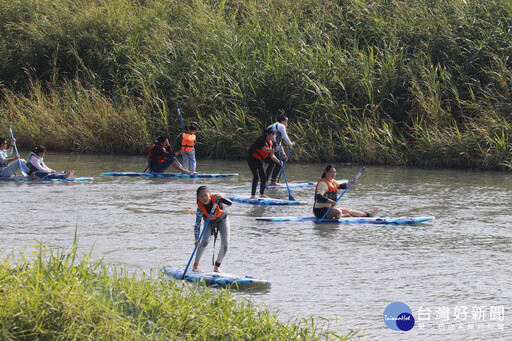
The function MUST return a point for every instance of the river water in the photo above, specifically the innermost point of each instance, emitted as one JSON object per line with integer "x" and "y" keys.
{"x": 453, "y": 272}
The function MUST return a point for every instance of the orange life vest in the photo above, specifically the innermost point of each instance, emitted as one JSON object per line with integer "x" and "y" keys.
{"x": 218, "y": 211}
{"x": 160, "y": 159}
{"x": 260, "y": 154}
{"x": 331, "y": 192}
{"x": 187, "y": 142}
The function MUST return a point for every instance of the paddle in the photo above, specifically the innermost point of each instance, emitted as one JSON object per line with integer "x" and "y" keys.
{"x": 345, "y": 191}
{"x": 285, "y": 161}
{"x": 181, "y": 120}
{"x": 285, "y": 180}
{"x": 16, "y": 149}
{"x": 201, "y": 236}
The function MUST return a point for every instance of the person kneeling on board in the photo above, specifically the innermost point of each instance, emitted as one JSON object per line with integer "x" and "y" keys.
{"x": 219, "y": 222}
{"x": 326, "y": 195}
{"x": 161, "y": 156}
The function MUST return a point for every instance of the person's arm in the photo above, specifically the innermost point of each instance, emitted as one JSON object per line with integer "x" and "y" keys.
{"x": 284, "y": 134}
{"x": 223, "y": 200}
{"x": 197, "y": 226}
{"x": 40, "y": 167}
{"x": 343, "y": 185}
{"x": 275, "y": 159}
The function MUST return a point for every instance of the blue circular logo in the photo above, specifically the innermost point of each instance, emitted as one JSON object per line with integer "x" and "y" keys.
{"x": 398, "y": 316}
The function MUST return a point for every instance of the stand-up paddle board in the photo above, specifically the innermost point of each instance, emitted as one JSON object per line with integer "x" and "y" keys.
{"x": 246, "y": 199}
{"x": 291, "y": 185}
{"x": 46, "y": 179}
{"x": 169, "y": 175}
{"x": 353, "y": 220}
{"x": 217, "y": 279}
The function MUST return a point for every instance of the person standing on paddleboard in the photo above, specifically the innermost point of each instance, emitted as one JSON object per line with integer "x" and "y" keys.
{"x": 161, "y": 156}
{"x": 188, "y": 142}
{"x": 219, "y": 222}
{"x": 281, "y": 135}
{"x": 326, "y": 194}
{"x": 260, "y": 149}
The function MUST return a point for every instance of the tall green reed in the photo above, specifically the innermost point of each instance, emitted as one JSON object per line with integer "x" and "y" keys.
{"x": 57, "y": 294}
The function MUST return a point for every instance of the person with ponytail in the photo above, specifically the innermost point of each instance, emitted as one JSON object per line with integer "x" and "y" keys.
{"x": 38, "y": 169}
{"x": 218, "y": 223}
{"x": 260, "y": 149}
{"x": 326, "y": 195}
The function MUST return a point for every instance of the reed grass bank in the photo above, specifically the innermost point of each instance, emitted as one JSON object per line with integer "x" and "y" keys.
{"x": 395, "y": 82}
{"x": 59, "y": 295}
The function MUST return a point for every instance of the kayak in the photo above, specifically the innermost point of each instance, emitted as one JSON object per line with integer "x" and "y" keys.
{"x": 291, "y": 185}
{"x": 246, "y": 199}
{"x": 353, "y": 220}
{"x": 216, "y": 279}
{"x": 169, "y": 175}
{"x": 46, "y": 179}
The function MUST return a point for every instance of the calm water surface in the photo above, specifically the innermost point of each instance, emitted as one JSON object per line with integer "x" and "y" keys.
{"x": 346, "y": 274}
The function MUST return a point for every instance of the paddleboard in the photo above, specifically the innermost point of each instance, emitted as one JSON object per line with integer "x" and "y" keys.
{"x": 246, "y": 199}
{"x": 46, "y": 179}
{"x": 169, "y": 175}
{"x": 353, "y": 220}
{"x": 291, "y": 185}
{"x": 216, "y": 279}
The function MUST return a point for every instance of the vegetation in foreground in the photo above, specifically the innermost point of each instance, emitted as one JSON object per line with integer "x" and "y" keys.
{"x": 59, "y": 295}
{"x": 399, "y": 82}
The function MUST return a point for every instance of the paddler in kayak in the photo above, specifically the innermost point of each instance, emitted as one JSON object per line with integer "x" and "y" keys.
{"x": 161, "y": 156}
{"x": 219, "y": 222}
{"x": 326, "y": 195}
{"x": 260, "y": 149}
{"x": 7, "y": 166}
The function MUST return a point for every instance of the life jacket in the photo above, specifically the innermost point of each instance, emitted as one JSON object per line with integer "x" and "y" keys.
{"x": 160, "y": 159}
{"x": 187, "y": 142}
{"x": 259, "y": 153}
{"x": 331, "y": 192}
{"x": 218, "y": 212}
{"x": 30, "y": 166}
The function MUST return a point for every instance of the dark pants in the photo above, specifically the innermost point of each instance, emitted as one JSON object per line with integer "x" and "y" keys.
{"x": 319, "y": 212}
{"x": 162, "y": 166}
{"x": 273, "y": 170}
{"x": 258, "y": 173}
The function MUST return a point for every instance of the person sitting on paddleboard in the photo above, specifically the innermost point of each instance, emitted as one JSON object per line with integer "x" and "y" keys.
{"x": 6, "y": 169}
{"x": 161, "y": 156}
{"x": 273, "y": 168}
{"x": 259, "y": 150}
{"x": 326, "y": 195}
{"x": 219, "y": 222}
{"x": 38, "y": 169}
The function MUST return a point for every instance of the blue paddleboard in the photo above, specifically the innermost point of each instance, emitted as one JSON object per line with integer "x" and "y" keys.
{"x": 291, "y": 185}
{"x": 353, "y": 220}
{"x": 169, "y": 175}
{"x": 216, "y": 279}
{"x": 46, "y": 179}
{"x": 246, "y": 199}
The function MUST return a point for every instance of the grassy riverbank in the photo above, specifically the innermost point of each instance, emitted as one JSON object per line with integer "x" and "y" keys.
{"x": 57, "y": 295}
{"x": 387, "y": 82}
